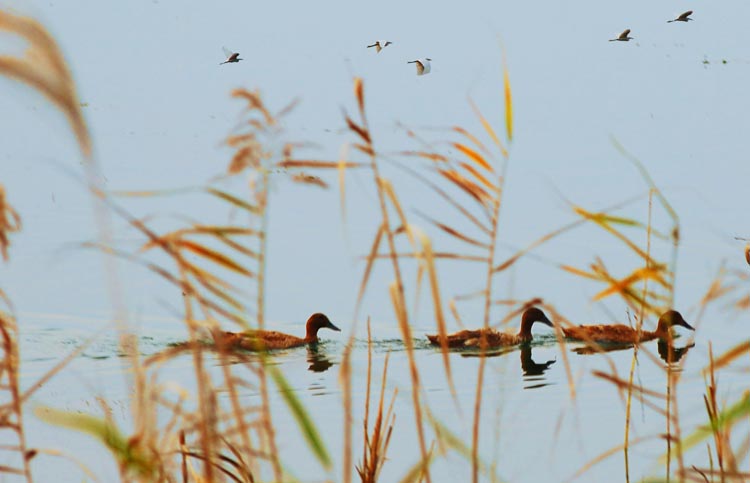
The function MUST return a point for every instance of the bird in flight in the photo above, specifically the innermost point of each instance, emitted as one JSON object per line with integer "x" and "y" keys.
{"x": 684, "y": 17}
{"x": 231, "y": 56}
{"x": 380, "y": 45}
{"x": 624, "y": 36}
{"x": 423, "y": 65}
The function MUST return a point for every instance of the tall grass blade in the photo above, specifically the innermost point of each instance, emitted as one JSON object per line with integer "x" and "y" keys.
{"x": 233, "y": 200}
{"x": 474, "y": 156}
{"x": 488, "y": 127}
{"x": 44, "y": 68}
{"x": 725, "y": 419}
{"x": 368, "y": 268}
{"x": 305, "y": 423}
{"x": 437, "y": 304}
{"x": 128, "y": 455}
{"x": 726, "y": 358}
{"x": 508, "y": 101}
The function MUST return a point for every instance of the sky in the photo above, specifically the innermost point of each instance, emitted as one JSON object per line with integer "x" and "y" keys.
{"x": 158, "y": 107}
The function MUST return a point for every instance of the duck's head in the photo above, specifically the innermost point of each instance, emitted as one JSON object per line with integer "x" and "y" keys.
{"x": 318, "y": 321}
{"x": 670, "y": 318}
{"x": 530, "y": 316}
{"x": 535, "y": 315}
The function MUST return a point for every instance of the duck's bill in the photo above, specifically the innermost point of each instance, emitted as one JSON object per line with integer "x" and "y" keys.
{"x": 332, "y": 327}
{"x": 686, "y": 325}
{"x": 546, "y": 321}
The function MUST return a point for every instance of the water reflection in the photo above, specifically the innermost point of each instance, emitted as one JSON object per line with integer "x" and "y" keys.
{"x": 318, "y": 359}
{"x": 530, "y": 367}
{"x": 668, "y": 352}
{"x": 671, "y": 354}
{"x": 594, "y": 348}
{"x": 532, "y": 371}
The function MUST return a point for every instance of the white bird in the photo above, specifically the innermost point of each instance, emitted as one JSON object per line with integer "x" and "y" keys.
{"x": 684, "y": 17}
{"x": 380, "y": 45}
{"x": 423, "y": 65}
{"x": 624, "y": 36}
{"x": 231, "y": 56}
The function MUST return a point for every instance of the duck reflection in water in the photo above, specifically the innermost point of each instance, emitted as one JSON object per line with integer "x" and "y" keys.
{"x": 532, "y": 370}
{"x": 318, "y": 359}
{"x": 671, "y": 354}
{"x": 667, "y": 351}
{"x": 531, "y": 367}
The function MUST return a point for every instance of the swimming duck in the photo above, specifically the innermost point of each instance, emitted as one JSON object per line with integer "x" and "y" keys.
{"x": 620, "y": 333}
{"x": 493, "y": 338}
{"x": 257, "y": 340}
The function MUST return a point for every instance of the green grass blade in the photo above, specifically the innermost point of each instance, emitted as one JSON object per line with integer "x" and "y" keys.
{"x": 726, "y": 418}
{"x": 306, "y": 425}
{"x": 127, "y": 454}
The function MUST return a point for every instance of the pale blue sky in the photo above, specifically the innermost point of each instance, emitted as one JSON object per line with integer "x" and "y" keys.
{"x": 158, "y": 106}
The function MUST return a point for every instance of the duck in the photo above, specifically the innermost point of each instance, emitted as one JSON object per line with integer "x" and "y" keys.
{"x": 259, "y": 340}
{"x": 624, "y": 334}
{"x": 491, "y": 338}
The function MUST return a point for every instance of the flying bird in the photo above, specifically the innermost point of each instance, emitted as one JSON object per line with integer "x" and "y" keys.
{"x": 624, "y": 36}
{"x": 423, "y": 65}
{"x": 231, "y": 56}
{"x": 380, "y": 45}
{"x": 684, "y": 17}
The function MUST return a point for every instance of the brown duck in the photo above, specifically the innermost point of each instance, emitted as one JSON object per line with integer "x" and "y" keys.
{"x": 493, "y": 338}
{"x": 620, "y": 333}
{"x": 257, "y": 340}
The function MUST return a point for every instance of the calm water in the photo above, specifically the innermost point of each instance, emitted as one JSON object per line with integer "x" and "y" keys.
{"x": 531, "y": 426}
{"x": 158, "y": 106}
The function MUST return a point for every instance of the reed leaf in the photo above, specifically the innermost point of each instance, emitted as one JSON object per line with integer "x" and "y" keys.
{"x": 644, "y": 273}
{"x": 304, "y": 178}
{"x": 726, "y": 358}
{"x": 214, "y": 256}
{"x": 128, "y": 454}
{"x": 359, "y": 130}
{"x": 437, "y": 304}
{"x": 482, "y": 179}
{"x": 725, "y": 419}
{"x": 508, "y": 102}
{"x": 488, "y": 127}
{"x": 449, "y": 439}
{"x": 469, "y": 187}
{"x": 342, "y": 180}
{"x": 417, "y": 471}
{"x": 439, "y": 158}
{"x": 368, "y": 268}
{"x": 233, "y": 200}
{"x": 471, "y": 138}
{"x": 474, "y": 156}
{"x": 364, "y": 148}
{"x": 305, "y": 423}
{"x": 455, "y": 233}
{"x": 44, "y": 69}
{"x": 299, "y": 163}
